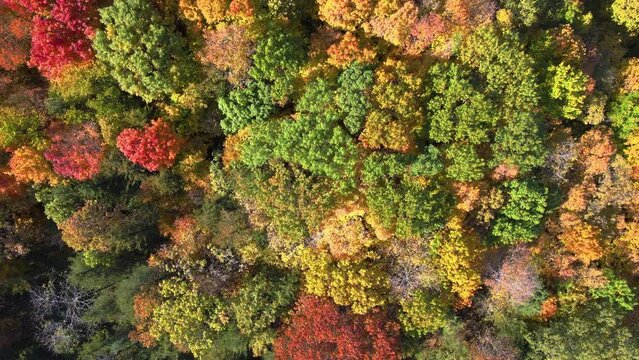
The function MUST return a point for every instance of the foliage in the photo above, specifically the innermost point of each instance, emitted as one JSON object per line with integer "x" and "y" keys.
{"x": 259, "y": 304}
{"x": 433, "y": 179}
{"x": 20, "y": 127}
{"x": 456, "y": 253}
{"x": 423, "y": 313}
{"x": 229, "y": 49}
{"x": 190, "y": 319}
{"x": 145, "y": 55}
{"x": 345, "y": 14}
{"x": 520, "y": 219}
{"x": 624, "y": 12}
{"x": 154, "y": 148}
{"x": 319, "y": 330}
{"x": 64, "y": 36}
{"x": 595, "y": 332}
{"x": 29, "y": 165}
{"x": 358, "y": 283}
{"x": 568, "y": 89}
{"x": 75, "y": 152}
{"x": 244, "y": 106}
{"x": 14, "y": 38}
{"x": 616, "y": 292}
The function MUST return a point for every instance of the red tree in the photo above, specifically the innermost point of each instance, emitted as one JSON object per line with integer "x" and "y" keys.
{"x": 64, "y": 36}
{"x": 33, "y": 6}
{"x": 75, "y": 152}
{"x": 155, "y": 147}
{"x": 15, "y": 27}
{"x": 319, "y": 330}
{"x": 424, "y": 32}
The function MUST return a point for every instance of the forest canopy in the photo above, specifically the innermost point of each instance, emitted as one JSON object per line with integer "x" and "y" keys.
{"x": 328, "y": 179}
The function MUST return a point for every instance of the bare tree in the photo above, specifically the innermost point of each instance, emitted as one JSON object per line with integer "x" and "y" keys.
{"x": 488, "y": 346}
{"x": 561, "y": 160}
{"x": 58, "y": 310}
{"x": 517, "y": 281}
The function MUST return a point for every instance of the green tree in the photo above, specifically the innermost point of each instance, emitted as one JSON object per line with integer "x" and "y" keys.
{"x": 401, "y": 203}
{"x": 595, "y": 332}
{"x": 21, "y": 127}
{"x": 567, "y": 90}
{"x": 520, "y": 219}
{"x": 144, "y": 54}
{"x": 245, "y": 106}
{"x": 520, "y": 143}
{"x": 353, "y": 96}
{"x": 261, "y": 301}
{"x": 465, "y": 163}
{"x": 277, "y": 59}
{"x": 456, "y": 110}
{"x": 624, "y": 114}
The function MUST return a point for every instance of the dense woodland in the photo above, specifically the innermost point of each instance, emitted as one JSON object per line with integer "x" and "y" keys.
{"x": 309, "y": 180}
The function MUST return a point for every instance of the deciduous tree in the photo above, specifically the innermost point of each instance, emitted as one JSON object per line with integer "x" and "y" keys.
{"x": 144, "y": 54}
{"x": 155, "y": 147}
{"x": 75, "y": 152}
{"x": 319, "y": 330}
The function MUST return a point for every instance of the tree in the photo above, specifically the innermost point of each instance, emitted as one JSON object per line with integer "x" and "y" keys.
{"x": 75, "y": 152}
{"x": 567, "y": 89}
{"x": 58, "y": 310}
{"x": 360, "y": 283}
{"x": 520, "y": 143}
{"x": 349, "y": 49}
{"x": 64, "y": 37}
{"x": 520, "y": 219}
{"x": 15, "y": 29}
{"x": 624, "y": 113}
{"x": 465, "y": 163}
{"x": 244, "y": 106}
{"x": 527, "y": 12}
{"x": 423, "y": 313}
{"x": 229, "y": 49}
{"x": 155, "y": 147}
{"x": 456, "y": 254}
{"x": 29, "y": 165}
{"x": 629, "y": 74}
{"x": 105, "y": 229}
{"x": 456, "y": 110}
{"x": 400, "y": 201}
{"x": 580, "y": 238}
{"x": 20, "y": 127}
{"x": 191, "y": 320}
{"x": 399, "y": 115}
{"x": 393, "y": 25}
{"x": 424, "y": 32}
{"x": 516, "y": 282}
{"x": 345, "y": 14}
{"x": 256, "y": 320}
{"x": 145, "y": 55}
{"x": 624, "y": 12}
{"x": 594, "y": 332}
{"x": 319, "y": 330}
{"x": 277, "y": 59}
{"x": 470, "y": 13}
{"x": 353, "y": 96}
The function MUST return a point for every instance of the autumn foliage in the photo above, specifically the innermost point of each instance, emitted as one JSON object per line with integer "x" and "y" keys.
{"x": 319, "y": 330}
{"x": 75, "y": 151}
{"x": 154, "y": 147}
{"x": 29, "y": 165}
{"x": 63, "y": 36}
{"x": 15, "y": 28}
